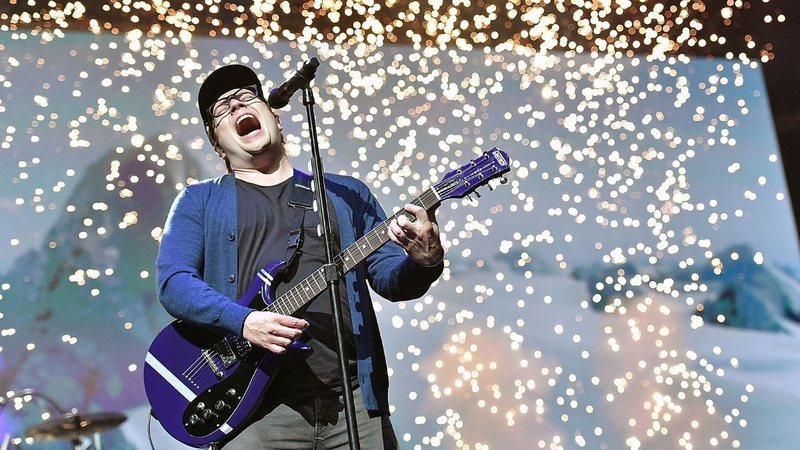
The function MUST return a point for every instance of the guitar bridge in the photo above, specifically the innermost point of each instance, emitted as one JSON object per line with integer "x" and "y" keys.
{"x": 211, "y": 364}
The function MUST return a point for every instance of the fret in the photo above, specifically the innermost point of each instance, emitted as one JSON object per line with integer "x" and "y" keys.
{"x": 360, "y": 247}
{"x": 318, "y": 282}
{"x": 293, "y": 299}
{"x": 345, "y": 260}
{"x": 307, "y": 287}
{"x": 429, "y": 199}
{"x": 318, "y": 285}
{"x": 297, "y": 296}
{"x": 278, "y": 308}
{"x": 289, "y": 300}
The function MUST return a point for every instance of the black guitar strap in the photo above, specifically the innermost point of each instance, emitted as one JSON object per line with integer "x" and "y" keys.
{"x": 302, "y": 200}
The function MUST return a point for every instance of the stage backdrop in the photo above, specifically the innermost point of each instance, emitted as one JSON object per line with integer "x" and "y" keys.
{"x": 633, "y": 285}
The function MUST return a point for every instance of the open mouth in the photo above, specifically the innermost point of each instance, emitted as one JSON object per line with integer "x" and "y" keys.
{"x": 246, "y": 124}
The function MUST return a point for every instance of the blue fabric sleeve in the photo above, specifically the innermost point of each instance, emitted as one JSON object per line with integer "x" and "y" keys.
{"x": 181, "y": 287}
{"x": 393, "y": 274}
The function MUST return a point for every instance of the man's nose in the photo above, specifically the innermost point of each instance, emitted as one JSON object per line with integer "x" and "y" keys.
{"x": 235, "y": 104}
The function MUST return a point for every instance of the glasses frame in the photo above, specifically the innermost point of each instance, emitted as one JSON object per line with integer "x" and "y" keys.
{"x": 215, "y": 120}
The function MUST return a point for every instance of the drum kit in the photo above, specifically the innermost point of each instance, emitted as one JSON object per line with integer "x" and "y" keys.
{"x": 78, "y": 428}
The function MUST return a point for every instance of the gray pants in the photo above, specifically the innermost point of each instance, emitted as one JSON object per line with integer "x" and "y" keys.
{"x": 314, "y": 423}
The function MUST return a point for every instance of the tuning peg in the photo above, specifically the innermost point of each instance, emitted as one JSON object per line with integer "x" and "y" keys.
{"x": 491, "y": 188}
{"x": 477, "y": 194}
{"x": 503, "y": 180}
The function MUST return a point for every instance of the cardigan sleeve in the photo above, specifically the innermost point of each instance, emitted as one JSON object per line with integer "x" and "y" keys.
{"x": 392, "y": 273}
{"x": 180, "y": 267}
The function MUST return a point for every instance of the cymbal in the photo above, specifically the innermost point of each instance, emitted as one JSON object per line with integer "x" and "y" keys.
{"x": 73, "y": 425}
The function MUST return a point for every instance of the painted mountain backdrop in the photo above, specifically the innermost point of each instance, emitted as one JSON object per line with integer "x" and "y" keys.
{"x": 87, "y": 296}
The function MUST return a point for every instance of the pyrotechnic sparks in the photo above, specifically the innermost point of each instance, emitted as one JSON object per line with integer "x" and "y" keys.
{"x": 610, "y": 124}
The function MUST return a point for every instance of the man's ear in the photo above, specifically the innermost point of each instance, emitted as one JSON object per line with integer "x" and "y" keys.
{"x": 211, "y": 137}
{"x": 278, "y": 120}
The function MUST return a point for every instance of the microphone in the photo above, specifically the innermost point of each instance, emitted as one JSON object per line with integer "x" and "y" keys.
{"x": 280, "y": 96}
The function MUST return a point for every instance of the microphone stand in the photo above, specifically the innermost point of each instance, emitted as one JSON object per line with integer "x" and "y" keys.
{"x": 332, "y": 275}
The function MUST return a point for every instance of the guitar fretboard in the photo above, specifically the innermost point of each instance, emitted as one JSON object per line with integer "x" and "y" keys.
{"x": 306, "y": 290}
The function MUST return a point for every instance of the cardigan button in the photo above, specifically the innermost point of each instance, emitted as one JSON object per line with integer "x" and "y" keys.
{"x": 231, "y": 278}
{"x": 231, "y": 237}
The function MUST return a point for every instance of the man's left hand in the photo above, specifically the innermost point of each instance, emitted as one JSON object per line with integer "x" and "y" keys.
{"x": 420, "y": 238}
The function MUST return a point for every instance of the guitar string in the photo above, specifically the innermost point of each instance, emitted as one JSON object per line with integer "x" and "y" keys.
{"x": 192, "y": 370}
{"x": 195, "y": 367}
{"x": 198, "y": 364}
{"x": 447, "y": 187}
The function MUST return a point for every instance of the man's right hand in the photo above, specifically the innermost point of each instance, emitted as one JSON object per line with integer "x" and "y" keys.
{"x": 274, "y": 332}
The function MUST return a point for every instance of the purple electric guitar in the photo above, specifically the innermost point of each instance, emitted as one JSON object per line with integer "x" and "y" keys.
{"x": 203, "y": 387}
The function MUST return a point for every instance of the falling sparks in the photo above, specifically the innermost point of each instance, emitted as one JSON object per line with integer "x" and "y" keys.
{"x": 610, "y": 122}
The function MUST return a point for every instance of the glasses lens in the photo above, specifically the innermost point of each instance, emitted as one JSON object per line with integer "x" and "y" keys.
{"x": 220, "y": 108}
{"x": 244, "y": 95}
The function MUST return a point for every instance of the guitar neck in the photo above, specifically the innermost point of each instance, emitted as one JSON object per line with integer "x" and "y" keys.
{"x": 306, "y": 290}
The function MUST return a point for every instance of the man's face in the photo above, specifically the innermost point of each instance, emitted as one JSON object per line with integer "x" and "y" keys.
{"x": 245, "y": 128}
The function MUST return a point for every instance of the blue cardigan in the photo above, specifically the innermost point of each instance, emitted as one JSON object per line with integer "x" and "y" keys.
{"x": 197, "y": 268}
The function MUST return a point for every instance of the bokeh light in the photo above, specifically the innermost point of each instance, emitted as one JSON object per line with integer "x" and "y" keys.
{"x": 583, "y": 305}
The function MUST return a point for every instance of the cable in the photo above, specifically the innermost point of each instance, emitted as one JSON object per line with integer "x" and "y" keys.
{"x": 149, "y": 431}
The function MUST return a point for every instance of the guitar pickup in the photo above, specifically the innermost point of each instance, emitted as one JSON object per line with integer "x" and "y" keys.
{"x": 231, "y": 349}
{"x": 220, "y": 353}
{"x": 225, "y": 353}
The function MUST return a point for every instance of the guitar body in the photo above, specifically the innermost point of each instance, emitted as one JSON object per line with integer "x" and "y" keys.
{"x": 202, "y": 386}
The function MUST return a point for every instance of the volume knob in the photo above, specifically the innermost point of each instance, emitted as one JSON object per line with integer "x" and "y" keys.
{"x": 221, "y": 405}
{"x": 194, "y": 420}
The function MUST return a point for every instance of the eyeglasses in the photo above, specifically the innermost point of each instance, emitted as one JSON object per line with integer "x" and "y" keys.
{"x": 222, "y": 107}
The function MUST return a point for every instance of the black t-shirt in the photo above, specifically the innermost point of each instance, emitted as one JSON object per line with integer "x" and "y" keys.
{"x": 264, "y": 220}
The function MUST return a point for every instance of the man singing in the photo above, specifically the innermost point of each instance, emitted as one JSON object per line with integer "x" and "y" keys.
{"x": 220, "y": 233}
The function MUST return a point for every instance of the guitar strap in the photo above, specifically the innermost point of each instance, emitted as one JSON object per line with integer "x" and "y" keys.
{"x": 302, "y": 200}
